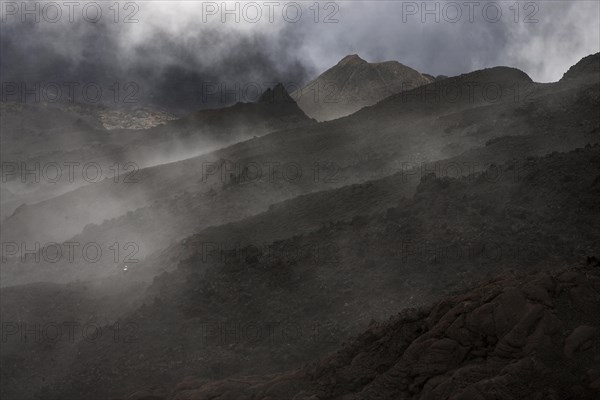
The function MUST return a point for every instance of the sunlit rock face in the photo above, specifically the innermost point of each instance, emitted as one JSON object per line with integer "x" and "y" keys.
{"x": 140, "y": 118}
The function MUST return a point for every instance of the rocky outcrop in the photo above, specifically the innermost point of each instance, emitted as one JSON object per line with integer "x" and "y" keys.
{"x": 516, "y": 337}
{"x": 138, "y": 118}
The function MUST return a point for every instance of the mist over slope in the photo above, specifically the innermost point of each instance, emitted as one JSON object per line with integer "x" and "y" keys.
{"x": 50, "y": 149}
{"x": 405, "y": 131}
{"x": 240, "y": 307}
{"x": 290, "y": 237}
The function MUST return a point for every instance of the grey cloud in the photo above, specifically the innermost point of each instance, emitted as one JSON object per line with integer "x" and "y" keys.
{"x": 171, "y": 53}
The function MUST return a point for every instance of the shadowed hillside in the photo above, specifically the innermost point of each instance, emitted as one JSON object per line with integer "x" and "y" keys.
{"x": 519, "y": 335}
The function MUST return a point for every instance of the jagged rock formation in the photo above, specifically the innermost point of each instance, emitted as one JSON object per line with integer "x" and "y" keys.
{"x": 274, "y": 110}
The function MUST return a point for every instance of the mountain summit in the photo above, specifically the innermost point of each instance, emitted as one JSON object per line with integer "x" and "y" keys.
{"x": 352, "y": 59}
{"x": 354, "y": 83}
{"x": 278, "y": 94}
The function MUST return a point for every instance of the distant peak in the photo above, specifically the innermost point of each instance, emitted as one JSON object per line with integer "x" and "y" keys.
{"x": 351, "y": 59}
{"x": 278, "y": 94}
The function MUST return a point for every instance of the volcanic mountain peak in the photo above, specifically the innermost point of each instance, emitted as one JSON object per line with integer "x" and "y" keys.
{"x": 352, "y": 59}
{"x": 354, "y": 83}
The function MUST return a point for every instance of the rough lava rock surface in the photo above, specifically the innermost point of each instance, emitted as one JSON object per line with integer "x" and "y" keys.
{"x": 516, "y": 337}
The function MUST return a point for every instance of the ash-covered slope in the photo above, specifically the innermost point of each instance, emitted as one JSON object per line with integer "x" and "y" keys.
{"x": 38, "y": 135}
{"x": 35, "y": 136}
{"x": 407, "y": 129}
{"x": 533, "y": 336}
{"x": 329, "y": 283}
{"x": 352, "y": 84}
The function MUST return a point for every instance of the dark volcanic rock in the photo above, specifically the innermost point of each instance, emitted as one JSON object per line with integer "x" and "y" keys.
{"x": 497, "y": 341}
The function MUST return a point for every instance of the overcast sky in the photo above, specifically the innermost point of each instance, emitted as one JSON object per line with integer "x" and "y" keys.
{"x": 174, "y": 48}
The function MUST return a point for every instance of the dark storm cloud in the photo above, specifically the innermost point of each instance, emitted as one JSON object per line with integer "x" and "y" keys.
{"x": 195, "y": 66}
{"x": 198, "y": 76}
{"x": 173, "y": 55}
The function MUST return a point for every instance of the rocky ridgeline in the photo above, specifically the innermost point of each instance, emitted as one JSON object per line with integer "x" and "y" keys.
{"x": 587, "y": 68}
